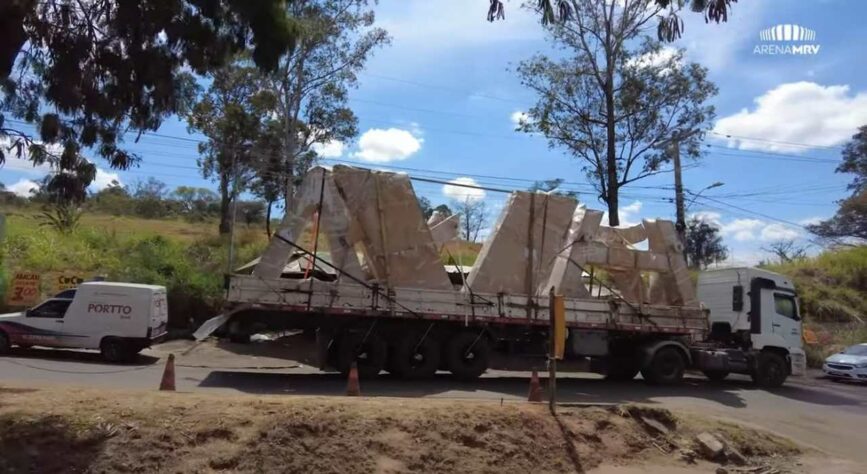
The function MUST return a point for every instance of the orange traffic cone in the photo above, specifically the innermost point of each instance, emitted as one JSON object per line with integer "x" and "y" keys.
{"x": 352, "y": 387}
{"x": 535, "y": 389}
{"x": 168, "y": 382}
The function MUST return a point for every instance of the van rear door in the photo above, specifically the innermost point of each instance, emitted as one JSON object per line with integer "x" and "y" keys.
{"x": 159, "y": 314}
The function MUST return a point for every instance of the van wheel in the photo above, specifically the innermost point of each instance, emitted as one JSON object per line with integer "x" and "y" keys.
{"x": 114, "y": 350}
{"x": 666, "y": 367}
{"x": 771, "y": 371}
{"x": 4, "y": 343}
{"x": 466, "y": 355}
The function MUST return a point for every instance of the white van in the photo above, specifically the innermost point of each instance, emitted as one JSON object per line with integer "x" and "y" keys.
{"x": 119, "y": 319}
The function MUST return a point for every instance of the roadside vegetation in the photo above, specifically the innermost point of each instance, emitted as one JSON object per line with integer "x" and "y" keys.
{"x": 833, "y": 291}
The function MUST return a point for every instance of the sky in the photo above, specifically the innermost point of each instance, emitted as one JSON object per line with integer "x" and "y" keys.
{"x": 442, "y": 101}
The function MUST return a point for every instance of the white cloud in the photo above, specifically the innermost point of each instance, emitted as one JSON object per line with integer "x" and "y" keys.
{"x": 797, "y": 112}
{"x": 23, "y": 164}
{"x": 655, "y": 59}
{"x": 382, "y": 146}
{"x": 811, "y": 220}
{"x": 628, "y": 215}
{"x": 461, "y": 193}
{"x": 717, "y": 46}
{"x": 329, "y": 149}
{"x": 519, "y": 118}
{"x": 773, "y": 232}
{"x": 103, "y": 180}
{"x": 23, "y": 187}
{"x": 742, "y": 230}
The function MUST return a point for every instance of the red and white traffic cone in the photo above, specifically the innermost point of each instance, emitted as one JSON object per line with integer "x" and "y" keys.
{"x": 168, "y": 382}
{"x": 535, "y": 389}
{"x": 353, "y": 389}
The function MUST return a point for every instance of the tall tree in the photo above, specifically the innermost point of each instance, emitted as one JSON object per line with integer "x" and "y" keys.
{"x": 233, "y": 114}
{"x": 850, "y": 221}
{"x": 703, "y": 244}
{"x": 313, "y": 82}
{"x": 618, "y": 99}
{"x": 474, "y": 216}
{"x": 786, "y": 250}
{"x": 669, "y": 27}
{"x": 86, "y": 72}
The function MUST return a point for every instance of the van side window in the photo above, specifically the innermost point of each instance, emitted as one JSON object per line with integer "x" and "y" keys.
{"x": 785, "y": 306}
{"x": 54, "y": 309}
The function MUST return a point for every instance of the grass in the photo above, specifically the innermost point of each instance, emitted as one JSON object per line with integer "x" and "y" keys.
{"x": 188, "y": 258}
{"x": 833, "y": 292}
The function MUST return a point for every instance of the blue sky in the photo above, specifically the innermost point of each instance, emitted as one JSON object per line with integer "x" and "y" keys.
{"x": 443, "y": 98}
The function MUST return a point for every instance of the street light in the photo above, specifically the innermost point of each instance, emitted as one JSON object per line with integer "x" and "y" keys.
{"x": 696, "y": 195}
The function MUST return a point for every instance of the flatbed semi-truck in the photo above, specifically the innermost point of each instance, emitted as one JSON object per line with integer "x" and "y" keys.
{"x": 377, "y": 299}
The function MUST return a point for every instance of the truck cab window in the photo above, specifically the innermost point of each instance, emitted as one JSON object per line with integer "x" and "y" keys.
{"x": 785, "y": 306}
{"x": 54, "y": 309}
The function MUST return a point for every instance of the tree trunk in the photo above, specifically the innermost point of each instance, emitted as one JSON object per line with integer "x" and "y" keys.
{"x": 268, "y": 219}
{"x": 225, "y": 205}
{"x": 611, "y": 138}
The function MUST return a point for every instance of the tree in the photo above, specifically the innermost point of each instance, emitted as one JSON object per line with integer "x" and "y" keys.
{"x": 669, "y": 28}
{"x": 552, "y": 186}
{"x": 149, "y": 196}
{"x": 233, "y": 114}
{"x": 313, "y": 80}
{"x": 444, "y": 209}
{"x": 84, "y": 73}
{"x": 850, "y": 221}
{"x": 786, "y": 250}
{"x": 474, "y": 216}
{"x": 194, "y": 202}
{"x": 703, "y": 244}
{"x": 618, "y": 100}
{"x": 426, "y": 208}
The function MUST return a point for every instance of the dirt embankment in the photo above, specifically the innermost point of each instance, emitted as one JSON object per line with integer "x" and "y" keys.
{"x": 77, "y": 431}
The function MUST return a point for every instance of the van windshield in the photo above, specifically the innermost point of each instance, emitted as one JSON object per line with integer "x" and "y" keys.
{"x": 859, "y": 350}
{"x": 66, "y": 294}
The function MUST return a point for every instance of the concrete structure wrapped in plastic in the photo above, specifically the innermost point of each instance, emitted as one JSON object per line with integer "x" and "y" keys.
{"x": 377, "y": 235}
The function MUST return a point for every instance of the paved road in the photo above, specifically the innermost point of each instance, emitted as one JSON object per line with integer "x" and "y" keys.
{"x": 827, "y": 415}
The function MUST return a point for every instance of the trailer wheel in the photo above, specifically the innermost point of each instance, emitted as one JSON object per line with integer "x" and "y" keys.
{"x": 114, "y": 350}
{"x": 771, "y": 371}
{"x": 4, "y": 343}
{"x": 466, "y": 355}
{"x": 666, "y": 367}
{"x": 368, "y": 354}
{"x": 715, "y": 375}
{"x": 415, "y": 358}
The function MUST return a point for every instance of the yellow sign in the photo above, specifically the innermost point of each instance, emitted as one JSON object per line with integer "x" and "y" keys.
{"x": 24, "y": 290}
{"x": 67, "y": 282}
{"x": 559, "y": 306}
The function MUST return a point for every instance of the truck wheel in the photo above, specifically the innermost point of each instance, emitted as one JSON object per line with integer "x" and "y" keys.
{"x": 466, "y": 355}
{"x": 368, "y": 354}
{"x": 4, "y": 343}
{"x": 715, "y": 375}
{"x": 771, "y": 371}
{"x": 666, "y": 367}
{"x": 413, "y": 359}
{"x": 114, "y": 350}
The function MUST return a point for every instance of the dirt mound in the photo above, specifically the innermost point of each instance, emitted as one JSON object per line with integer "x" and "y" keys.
{"x": 79, "y": 431}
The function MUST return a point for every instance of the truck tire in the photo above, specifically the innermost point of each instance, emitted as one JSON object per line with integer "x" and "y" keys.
{"x": 466, "y": 355}
{"x": 715, "y": 375}
{"x": 114, "y": 350}
{"x": 415, "y": 358}
{"x": 368, "y": 354}
{"x": 666, "y": 367}
{"x": 5, "y": 346}
{"x": 771, "y": 370}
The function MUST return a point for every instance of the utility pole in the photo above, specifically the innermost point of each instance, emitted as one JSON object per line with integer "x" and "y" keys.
{"x": 680, "y": 223}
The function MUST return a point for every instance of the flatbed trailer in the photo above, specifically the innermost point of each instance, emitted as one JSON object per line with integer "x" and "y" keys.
{"x": 388, "y": 303}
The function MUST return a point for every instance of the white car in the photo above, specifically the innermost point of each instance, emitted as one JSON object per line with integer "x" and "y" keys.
{"x": 850, "y": 364}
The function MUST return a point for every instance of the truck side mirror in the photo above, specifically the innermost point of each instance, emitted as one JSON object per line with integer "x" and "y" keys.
{"x": 738, "y": 298}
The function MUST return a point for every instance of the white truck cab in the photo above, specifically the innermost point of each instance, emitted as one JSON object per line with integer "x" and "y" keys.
{"x": 754, "y": 309}
{"x": 119, "y": 319}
